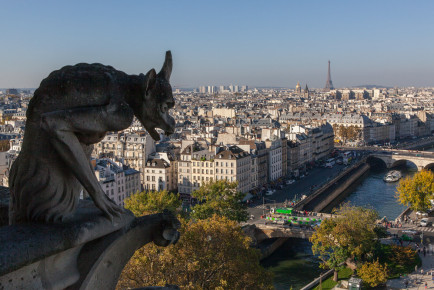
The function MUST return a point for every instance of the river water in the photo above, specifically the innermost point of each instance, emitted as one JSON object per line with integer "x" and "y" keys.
{"x": 294, "y": 265}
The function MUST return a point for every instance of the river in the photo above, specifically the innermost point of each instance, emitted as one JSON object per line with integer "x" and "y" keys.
{"x": 294, "y": 265}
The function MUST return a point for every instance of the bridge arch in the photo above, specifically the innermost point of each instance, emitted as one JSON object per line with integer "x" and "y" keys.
{"x": 376, "y": 162}
{"x": 404, "y": 162}
{"x": 430, "y": 167}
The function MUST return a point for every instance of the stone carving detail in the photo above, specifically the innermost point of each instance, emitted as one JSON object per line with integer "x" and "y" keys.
{"x": 72, "y": 109}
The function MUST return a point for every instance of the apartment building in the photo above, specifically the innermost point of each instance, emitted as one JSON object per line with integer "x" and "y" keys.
{"x": 117, "y": 180}
{"x": 132, "y": 148}
{"x": 198, "y": 165}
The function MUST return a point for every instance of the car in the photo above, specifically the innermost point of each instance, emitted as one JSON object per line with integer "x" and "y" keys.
{"x": 421, "y": 214}
{"x": 270, "y": 192}
{"x": 291, "y": 181}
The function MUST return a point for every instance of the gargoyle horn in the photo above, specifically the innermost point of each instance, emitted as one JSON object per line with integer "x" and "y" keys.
{"x": 166, "y": 70}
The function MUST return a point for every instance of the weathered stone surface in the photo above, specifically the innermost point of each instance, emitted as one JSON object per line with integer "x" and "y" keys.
{"x": 73, "y": 109}
{"x": 86, "y": 252}
{"x": 50, "y": 244}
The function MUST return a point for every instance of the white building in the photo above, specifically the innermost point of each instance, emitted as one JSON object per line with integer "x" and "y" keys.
{"x": 274, "y": 158}
{"x": 117, "y": 181}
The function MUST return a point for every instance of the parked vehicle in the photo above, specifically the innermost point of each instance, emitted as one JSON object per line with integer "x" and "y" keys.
{"x": 426, "y": 221}
{"x": 270, "y": 192}
{"x": 330, "y": 162}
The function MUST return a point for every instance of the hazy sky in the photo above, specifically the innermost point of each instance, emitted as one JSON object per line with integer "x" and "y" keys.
{"x": 255, "y": 43}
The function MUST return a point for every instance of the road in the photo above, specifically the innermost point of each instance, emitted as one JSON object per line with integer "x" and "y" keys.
{"x": 317, "y": 176}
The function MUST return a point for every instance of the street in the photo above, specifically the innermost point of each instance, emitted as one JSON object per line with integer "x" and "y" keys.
{"x": 317, "y": 176}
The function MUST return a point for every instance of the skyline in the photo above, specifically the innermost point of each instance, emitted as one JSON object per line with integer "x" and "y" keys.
{"x": 273, "y": 44}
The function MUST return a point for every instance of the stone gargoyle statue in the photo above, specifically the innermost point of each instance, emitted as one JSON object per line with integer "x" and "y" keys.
{"x": 55, "y": 241}
{"x": 72, "y": 109}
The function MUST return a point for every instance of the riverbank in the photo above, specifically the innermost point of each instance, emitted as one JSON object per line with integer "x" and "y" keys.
{"x": 332, "y": 190}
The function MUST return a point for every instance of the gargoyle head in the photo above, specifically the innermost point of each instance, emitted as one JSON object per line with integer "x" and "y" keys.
{"x": 158, "y": 100}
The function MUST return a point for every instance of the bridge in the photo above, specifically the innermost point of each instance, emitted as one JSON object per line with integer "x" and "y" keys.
{"x": 260, "y": 230}
{"x": 392, "y": 158}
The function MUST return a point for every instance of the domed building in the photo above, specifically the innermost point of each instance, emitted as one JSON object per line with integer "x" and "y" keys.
{"x": 298, "y": 88}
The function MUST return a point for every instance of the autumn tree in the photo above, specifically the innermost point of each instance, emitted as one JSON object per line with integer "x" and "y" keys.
{"x": 351, "y": 234}
{"x": 219, "y": 197}
{"x": 150, "y": 202}
{"x": 210, "y": 254}
{"x": 416, "y": 191}
{"x": 373, "y": 273}
{"x": 5, "y": 145}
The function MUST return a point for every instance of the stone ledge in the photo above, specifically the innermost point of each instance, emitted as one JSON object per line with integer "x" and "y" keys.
{"x": 27, "y": 243}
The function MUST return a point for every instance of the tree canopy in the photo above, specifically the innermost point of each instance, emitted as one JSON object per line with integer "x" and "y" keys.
{"x": 144, "y": 203}
{"x": 351, "y": 234}
{"x": 416, "y": 191}
{"x": 211, "y": 254}
{"x": 373, "y": 273}
{"x": 219, "y": 197}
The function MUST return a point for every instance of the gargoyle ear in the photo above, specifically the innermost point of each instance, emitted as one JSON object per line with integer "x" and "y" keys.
{"x": 166, "y": 70}
{"x": 150, "y": 80}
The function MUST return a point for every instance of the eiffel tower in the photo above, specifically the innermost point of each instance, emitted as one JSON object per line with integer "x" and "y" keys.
{"x": 329, "y": 84}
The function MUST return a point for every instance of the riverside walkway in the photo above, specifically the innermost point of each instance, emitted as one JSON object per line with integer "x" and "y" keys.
{"x": 416, "y": 280}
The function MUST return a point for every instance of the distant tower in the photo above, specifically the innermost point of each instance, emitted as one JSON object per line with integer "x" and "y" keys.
{"x": 306, "y": 92}
{"x": 329, "y": 84}
{"x": 298, "y": 88}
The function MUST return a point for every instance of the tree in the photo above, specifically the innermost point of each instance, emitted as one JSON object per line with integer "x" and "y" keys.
{"x": 211, "y": 254}
{"x": 219, "y": 197}
{"x": 351, "y": 234}
{"x": 144, "y": 203}
{"x": 373, "y": 273}
{"x": 5, "y": 145}
{"x": 416, "y": 191}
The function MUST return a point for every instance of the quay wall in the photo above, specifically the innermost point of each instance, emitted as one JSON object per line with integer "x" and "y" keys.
{"x": 323, "y": 206}
{"x": 269, "y": 249}
{"x": 326, "y": 195}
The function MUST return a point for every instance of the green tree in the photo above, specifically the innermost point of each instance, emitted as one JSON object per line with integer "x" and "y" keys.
{"x": 144, "y": 203}
{"x": 417, "y": 191}
{"x": 351, "y": 234}
{"x": 219, "y": 197}
{"x": 210, "y": 254}
{"x": 373, "y": 273}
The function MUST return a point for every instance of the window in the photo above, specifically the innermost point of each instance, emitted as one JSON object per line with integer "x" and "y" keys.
{"x": 153, "y": 178}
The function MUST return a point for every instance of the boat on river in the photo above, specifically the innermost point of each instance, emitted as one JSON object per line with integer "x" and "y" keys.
{"x": 392, "y": 176}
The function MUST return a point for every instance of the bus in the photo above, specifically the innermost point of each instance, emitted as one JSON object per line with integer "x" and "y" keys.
{"x": 347, "y": 157}
{"x": 329, "y": 163}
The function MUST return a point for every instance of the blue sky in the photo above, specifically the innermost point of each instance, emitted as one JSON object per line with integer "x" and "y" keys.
{"x": 257, "y": 43}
